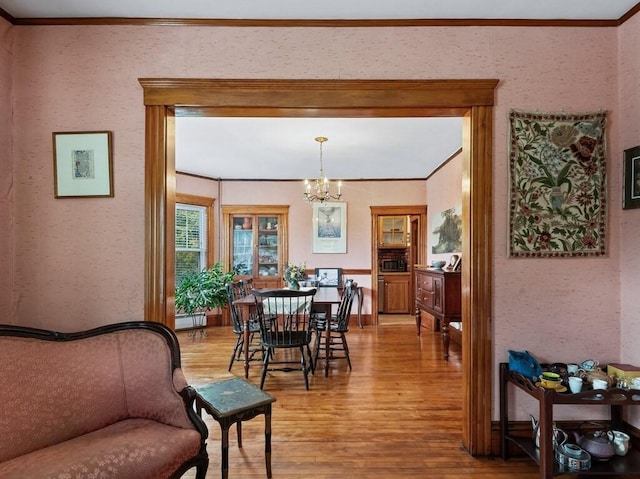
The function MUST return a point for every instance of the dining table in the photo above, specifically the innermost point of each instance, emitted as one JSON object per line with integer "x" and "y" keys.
{"x": 323, "y": 300}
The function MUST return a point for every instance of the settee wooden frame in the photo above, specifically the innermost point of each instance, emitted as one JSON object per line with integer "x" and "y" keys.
{"x": 188, "y": 394}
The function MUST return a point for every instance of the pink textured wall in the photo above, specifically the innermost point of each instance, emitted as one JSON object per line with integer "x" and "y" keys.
{"x": 359, "y": 196}
{"x": 6, "y": 172}
{"x": 629, "y": 119}
{"x": 444, "y": 191}
{"x": 80, "y": 262}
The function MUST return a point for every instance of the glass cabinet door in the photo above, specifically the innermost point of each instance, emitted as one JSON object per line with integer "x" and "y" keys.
{"x": 242, "y": 247}
{"x": 393, "y": 230}
{"x": 257, "y": 243}
{"x": 268, "y": 247}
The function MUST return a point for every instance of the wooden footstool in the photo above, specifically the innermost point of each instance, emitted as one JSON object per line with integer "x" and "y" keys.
{"x": 233, "y": 401}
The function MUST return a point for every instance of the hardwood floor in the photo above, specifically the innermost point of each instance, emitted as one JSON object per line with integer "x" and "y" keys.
{"x": 387, "y": 319}
{"x": 396, "y": 415}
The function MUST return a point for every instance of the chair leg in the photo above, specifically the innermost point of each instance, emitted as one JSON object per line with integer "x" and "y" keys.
{"x": 305, "y": 371}
{"x": 317, "y": 348}
{"x": 236, "y": 350}
{"x": 265, "y": 366}
{"x": 311, "y": 363}
{"x": 346, "y": 349}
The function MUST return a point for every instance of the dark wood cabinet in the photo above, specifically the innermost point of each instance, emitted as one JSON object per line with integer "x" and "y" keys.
{"x": 438, "y": 293}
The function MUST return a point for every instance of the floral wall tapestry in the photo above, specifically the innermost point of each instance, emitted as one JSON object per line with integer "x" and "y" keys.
{"x": 558, "y": 196}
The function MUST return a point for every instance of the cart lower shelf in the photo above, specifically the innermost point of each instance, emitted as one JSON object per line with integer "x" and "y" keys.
{"x": 628, "y": 465}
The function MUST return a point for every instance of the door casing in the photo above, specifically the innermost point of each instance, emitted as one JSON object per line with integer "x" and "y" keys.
{"x": 472, "y": 100}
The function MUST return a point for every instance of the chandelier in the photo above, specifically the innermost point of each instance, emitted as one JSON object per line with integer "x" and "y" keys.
{"x": 319, "y": 190}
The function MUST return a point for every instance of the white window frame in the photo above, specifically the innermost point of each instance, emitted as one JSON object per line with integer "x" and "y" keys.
{"x": 206, "y": 205}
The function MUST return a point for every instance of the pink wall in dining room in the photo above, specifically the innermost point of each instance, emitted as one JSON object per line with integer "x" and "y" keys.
{"x": 79, "y": 263}
{"x": 6, "y": 172}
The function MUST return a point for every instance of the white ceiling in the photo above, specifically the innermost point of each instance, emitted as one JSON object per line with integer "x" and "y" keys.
{"x": 284, "y": 148}
{"x": 327, "y": 9}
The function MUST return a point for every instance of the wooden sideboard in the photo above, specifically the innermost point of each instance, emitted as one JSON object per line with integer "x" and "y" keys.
{"x": 438, "y": 293}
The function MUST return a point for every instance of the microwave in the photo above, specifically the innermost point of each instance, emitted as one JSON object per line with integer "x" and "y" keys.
{"x": 393, "y": 265}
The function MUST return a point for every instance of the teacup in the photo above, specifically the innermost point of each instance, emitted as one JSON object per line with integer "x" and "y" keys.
{"x": 575, "y": 384}
{"x": 599, "y": 384}
{"x": 572, "y": 450}
{"x": 635, "y": 383}
{"x": 620, "y": 442}
{"x": 589, "y": 364}
{"x": 572, "y": 369}
{"x": 550, "y": 380}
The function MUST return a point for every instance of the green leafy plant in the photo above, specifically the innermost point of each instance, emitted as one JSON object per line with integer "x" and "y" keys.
{"x": 203, "y": 291}
{"x": 295, "y": 273}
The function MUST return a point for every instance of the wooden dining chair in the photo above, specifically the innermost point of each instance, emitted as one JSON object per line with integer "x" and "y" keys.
{"x": 284, "y": 319}
{"x": 247, "y": 286}
{"x": 235, "y": 291}
{"x": 338, "y": 325}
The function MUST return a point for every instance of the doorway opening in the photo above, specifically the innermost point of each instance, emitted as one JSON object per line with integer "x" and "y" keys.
{"x": 471, "y": 100}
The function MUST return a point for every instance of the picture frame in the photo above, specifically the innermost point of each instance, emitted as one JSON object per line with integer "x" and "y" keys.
{"x": 457, "y": 264}
{"x": 82, "y": 164}
{"x": 631, "y": 180}
{"x": 454, "y": 263}
{"x": 329, "y": 277}
{"x": 329, "y": 227}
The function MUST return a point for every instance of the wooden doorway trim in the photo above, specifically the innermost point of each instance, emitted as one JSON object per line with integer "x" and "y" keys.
{"x": 471, "y": 99}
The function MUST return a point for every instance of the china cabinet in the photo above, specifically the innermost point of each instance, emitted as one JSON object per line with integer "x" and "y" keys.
{"x": 616, "y": 399}
{"x": 392, "y": 231}
{"x": 256, "y": 243}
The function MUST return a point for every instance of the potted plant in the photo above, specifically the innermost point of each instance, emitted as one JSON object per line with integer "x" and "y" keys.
{"x": 293, "y": 274}
{"x": 200, "y": 292}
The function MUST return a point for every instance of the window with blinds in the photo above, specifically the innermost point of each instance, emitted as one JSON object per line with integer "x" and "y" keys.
{"x": 191, "y": 240}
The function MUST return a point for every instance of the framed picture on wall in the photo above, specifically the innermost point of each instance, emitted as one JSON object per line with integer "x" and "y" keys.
{"x": 631, "y": 197}
{"x": 329, "y": 227}
{"x": 82, "y": 164}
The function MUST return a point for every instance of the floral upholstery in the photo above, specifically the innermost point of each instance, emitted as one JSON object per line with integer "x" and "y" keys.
{"x": 105, "y": 405}
{"x": 133, "y": 448}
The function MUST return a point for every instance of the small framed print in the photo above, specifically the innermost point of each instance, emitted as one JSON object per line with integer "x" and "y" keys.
{"x": 82, "y": 164}
{"x": 631, "y": 197}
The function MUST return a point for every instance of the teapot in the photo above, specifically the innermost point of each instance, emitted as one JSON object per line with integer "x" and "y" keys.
{"x": 559, "y": 436}
{"x": 596, "y": 373}
{"x": 600, "y": 444}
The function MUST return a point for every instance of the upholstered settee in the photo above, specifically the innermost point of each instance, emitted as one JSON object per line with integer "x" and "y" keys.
{"x": 111, "y": 402}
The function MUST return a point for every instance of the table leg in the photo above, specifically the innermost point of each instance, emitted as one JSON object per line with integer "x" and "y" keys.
{"x": 239, "y": 432}
{"x": 418, "y": 320}
{"x": 360, "y": 299}
{"x": 225, "y": 452}
{"x": 267, "y": 438}
{"x": 446, "y": 339}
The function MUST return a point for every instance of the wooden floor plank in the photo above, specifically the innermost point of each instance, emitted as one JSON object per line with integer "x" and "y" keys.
{"x": 396, "y": 415}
